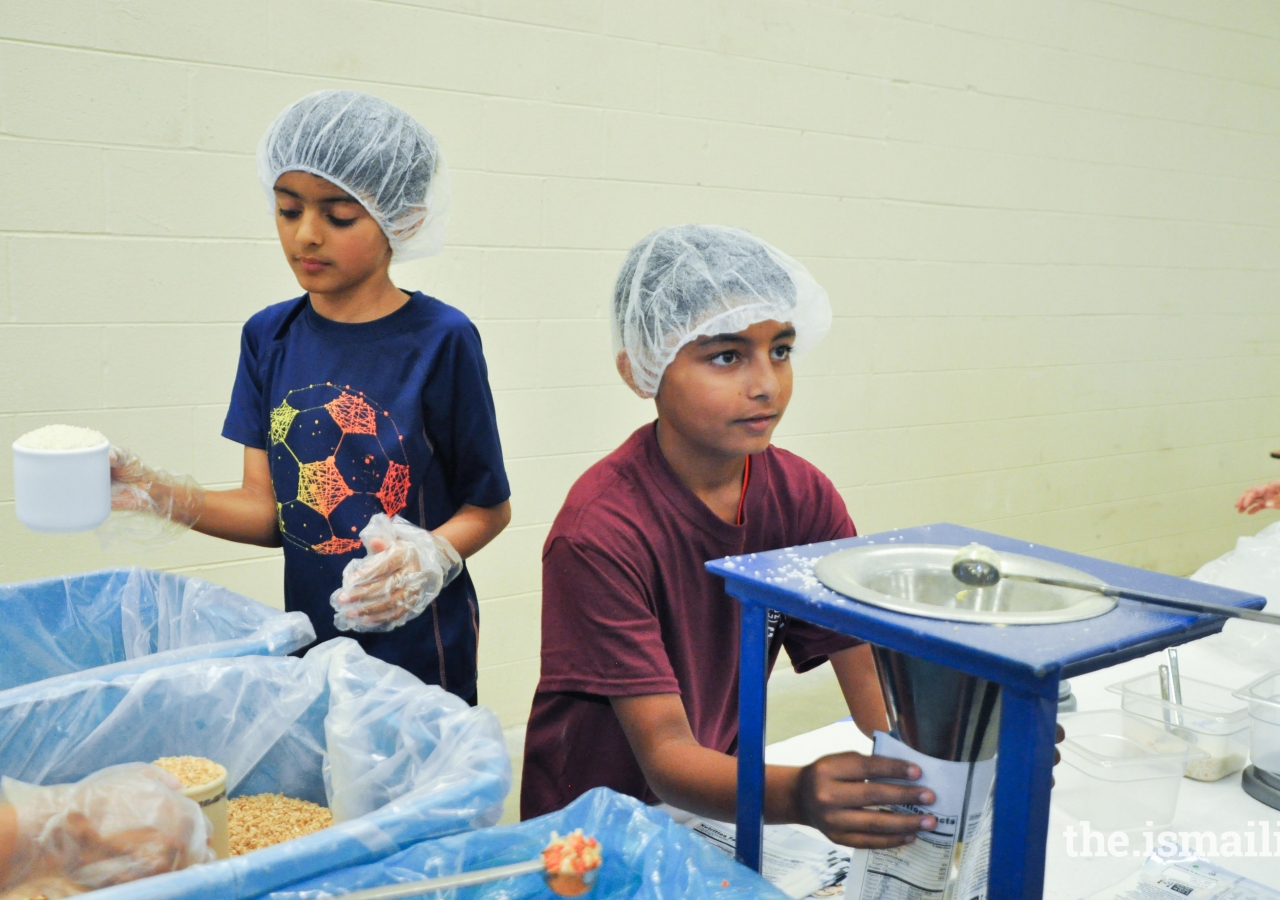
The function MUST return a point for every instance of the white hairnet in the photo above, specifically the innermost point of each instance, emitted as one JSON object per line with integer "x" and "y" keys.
{"x": 374, "y": 151}
{"x": 686, "y": 281}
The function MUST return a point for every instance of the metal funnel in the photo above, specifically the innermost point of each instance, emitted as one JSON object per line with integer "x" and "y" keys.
{"x": 948, "y": 715}
{"x": 937, "y": 710}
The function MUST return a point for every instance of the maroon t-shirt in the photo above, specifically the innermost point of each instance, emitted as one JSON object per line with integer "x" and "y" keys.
{"x": 628, "y": 609}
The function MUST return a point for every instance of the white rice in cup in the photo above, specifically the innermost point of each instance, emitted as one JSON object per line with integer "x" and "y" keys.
{"x": 62, "y": 478}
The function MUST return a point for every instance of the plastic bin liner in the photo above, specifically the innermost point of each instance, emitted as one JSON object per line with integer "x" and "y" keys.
{"x": 645, "y": 855}
{"x": 131, "y": 619}
{"x": 1254, "y": 567}
{"x": 396, "y": 760}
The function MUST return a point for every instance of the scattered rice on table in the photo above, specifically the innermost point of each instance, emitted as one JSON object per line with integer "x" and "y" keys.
{"x": 267, "y": 819}
{"x": 192, "y": 771}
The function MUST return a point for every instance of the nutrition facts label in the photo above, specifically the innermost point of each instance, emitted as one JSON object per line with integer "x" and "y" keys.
{"x": 920, "y": 870}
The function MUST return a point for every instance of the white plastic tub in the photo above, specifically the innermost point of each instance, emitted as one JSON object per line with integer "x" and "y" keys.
{"x": 60, "y": 491}
{"x": 1263, "y": 697}
{"x": 1210, "y": 717}
{"x": 1120, "y": 771}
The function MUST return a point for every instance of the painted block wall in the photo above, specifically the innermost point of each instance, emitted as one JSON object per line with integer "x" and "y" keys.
{"x": 1050, "y": 233}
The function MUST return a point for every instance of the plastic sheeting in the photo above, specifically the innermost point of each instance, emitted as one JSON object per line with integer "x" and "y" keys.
{"x": 645, "y": 855}
{"x": 1254, "y": 567}
{"x": 117, "y": 825}
{"x": 397, "y": 761}
{"x": 130, "y": 620}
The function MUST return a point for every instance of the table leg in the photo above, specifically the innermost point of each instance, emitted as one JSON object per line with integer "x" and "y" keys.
{"x": 751, "y": 712}
{"x": 1023, "y": 777}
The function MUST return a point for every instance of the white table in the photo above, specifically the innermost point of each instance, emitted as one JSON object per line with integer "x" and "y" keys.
{"x": 1234, "y": 658}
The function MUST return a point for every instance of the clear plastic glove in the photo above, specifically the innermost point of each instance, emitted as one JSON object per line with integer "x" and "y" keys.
{"x": 405, "y": 569}
{"x": 161, "y": 505}
{"x": 1255, "y": 499}
{"x": 117, "y": 825}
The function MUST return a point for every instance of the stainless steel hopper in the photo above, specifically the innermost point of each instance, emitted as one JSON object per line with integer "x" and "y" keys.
{"x": 964, "y": 674}
{"x": 916, "y": 579}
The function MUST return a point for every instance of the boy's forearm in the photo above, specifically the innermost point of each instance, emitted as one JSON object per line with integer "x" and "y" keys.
{"x": 688, "y": 775}
{"x": 245, "y": 515}
{"x": 474, "y": 526}
{"x": 705, "y": 782}
{"x": 860, "y": 683}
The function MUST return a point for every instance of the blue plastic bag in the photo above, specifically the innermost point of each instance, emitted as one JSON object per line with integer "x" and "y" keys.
{"x": 396, "y": 760}
{"x": 130, "y": 620}
{"x": 645, "y": 855}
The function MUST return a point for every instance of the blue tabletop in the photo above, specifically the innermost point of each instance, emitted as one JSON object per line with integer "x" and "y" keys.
{"x": 1033, "y": 656}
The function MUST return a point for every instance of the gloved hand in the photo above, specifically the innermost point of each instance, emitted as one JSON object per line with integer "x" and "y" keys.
{"x": 406, "y": 567}
{"x": 117, "y": 825}
{"x": 175, "y": 501}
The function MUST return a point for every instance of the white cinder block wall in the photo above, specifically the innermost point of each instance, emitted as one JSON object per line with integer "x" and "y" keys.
{"x": 1049, "y": 231}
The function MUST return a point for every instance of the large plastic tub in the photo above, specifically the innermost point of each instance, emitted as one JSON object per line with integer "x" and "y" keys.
{"x": 1209, "y": 716}
{"x": 117, "y": 621}
{"x": 397, "y": 761}
{"x": 645, "y": 855}
{"x": 1120, "y": 771}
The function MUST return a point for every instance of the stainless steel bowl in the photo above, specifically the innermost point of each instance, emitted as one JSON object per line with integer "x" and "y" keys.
{"x": 916, "y": 579}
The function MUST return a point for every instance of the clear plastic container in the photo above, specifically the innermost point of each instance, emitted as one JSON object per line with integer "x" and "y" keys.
{"x": 1263, "y": 697}
{"x": 1120, "y": 771}
{"x": 1210, "y": 717}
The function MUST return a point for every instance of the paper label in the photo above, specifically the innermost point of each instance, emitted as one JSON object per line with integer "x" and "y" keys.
{"x": 795, "y": 860}
{"x": 958, "y": 850}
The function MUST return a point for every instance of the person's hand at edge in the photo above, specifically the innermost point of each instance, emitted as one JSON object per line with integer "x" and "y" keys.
{"x": 1256, "y": 499}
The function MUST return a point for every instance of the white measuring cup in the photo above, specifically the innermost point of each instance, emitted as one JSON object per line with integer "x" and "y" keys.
{"x": 60, "y": 491}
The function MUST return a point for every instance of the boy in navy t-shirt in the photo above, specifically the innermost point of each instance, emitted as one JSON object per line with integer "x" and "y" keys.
{"x": 371, "y": 442}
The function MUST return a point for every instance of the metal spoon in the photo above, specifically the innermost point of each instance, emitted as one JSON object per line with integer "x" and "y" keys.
{"x": 561, "y": 885}
{"x": 979, "y": 566}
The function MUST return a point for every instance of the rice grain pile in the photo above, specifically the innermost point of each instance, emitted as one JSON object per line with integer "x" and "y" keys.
{"x": 267, "y": 819}
{"x": 192, "y": 771}
{"x": 61, "y": 437}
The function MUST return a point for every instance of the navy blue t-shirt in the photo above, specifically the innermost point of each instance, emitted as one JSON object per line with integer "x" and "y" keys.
{"x": 393, "y": 416}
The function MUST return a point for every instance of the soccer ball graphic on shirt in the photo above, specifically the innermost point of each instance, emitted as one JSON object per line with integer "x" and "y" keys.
{"x": 337, "y": 458}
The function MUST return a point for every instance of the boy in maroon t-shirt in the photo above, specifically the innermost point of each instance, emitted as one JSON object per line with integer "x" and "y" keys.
{"x": 639, "y": 642}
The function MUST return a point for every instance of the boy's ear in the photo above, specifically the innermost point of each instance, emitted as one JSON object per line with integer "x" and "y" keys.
{"x": 623, "y": 362}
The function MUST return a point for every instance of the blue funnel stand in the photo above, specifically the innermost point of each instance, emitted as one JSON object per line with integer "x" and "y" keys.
{"x": 1024, "y": 774}
{"x": 1026, "y": 661}
{"x": 751, "y": 712}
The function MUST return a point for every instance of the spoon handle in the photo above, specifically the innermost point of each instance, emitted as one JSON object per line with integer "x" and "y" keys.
{"x": 465, "y": 879}
{"x": 1195, "y": 606}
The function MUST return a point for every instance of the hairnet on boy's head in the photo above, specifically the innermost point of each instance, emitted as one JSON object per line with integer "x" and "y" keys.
{"x": 374, "y": 151}
{"x": 686, "y": 281}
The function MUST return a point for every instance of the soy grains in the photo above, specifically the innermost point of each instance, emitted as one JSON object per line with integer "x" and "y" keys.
{"x": 192, "y": 771}
{"x": 267, "y": 819}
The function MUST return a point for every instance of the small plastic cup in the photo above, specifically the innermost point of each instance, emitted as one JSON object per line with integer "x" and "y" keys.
{"x": 1210, "y": 717}
{"x": 1120, "y": 771}
{"x": 61, "y": 491}
{"x": 212, "y": 798}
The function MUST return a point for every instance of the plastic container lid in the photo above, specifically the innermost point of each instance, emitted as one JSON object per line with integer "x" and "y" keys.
{"x": 1114, "y": 745}
{"x": 1206, "y": 707}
